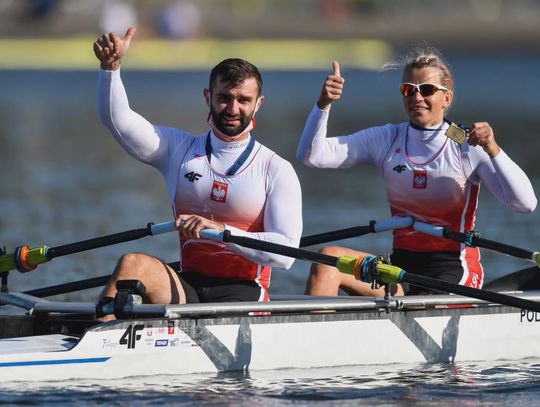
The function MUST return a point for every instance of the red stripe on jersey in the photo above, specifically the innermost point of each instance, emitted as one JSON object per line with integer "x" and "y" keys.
{"x": 473, "y": 273}
{"x": 470, "y": 209}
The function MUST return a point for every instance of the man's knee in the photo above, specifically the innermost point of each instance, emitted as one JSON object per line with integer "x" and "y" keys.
{"x": 319, "y": 269}
{"x": 335, "y": 251}
{"x": 131, "y": 265}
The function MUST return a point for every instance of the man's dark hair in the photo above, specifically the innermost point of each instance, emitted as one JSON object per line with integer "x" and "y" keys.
{"x": 234, "y": 71}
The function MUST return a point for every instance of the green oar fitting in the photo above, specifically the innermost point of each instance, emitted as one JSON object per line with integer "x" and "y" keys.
{"x": 389, "y": 274}
{"x": 348, "y": 264}
{"x": 24, "y": 259}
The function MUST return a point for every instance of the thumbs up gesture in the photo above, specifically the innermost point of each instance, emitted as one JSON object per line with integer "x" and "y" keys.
{"x": 110, "y": 48}
{"x": 332, "y": 88}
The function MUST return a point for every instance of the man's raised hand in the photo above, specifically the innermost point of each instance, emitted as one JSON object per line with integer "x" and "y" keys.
{"x": 110, "y": 48}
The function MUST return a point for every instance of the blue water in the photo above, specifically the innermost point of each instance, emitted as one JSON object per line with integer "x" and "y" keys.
{"x": 498, "y": 383}
{"x": 64, "y": 179}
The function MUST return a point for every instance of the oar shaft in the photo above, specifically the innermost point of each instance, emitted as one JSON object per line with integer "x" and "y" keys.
{"x": 492, "y": 245}
{"x": 396, "y": 222}
{"x": 69, "y": 287}
{"x": 78, "y": 285}
{"x": 109, "y": 240}
{"x": 488, "y": 296}
{"x": 96, "y": 243}
{"x": 470, "y": 239}
{"x": 335, "y": 235}
{"x": 26, "y": 259}
{"x": 387, "y": 273}
{"x": 275, "y": 248}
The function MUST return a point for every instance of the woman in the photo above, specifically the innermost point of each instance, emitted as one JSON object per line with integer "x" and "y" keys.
{"x": 430, "y": 172}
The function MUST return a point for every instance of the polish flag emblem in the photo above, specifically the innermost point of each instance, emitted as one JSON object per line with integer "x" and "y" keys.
{"x": 420, "y": 179}
{"x": 219, "y": 191}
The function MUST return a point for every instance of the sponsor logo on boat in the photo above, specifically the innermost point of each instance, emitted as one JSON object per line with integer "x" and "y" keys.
{"x": 170, "y": 326}
{"x": 529, "y": 316}
{"x": 107, "y": 344}
{"x": 182, "y": 342}
{"x": 161, "y": 342}
{"x": 131, "y": 336}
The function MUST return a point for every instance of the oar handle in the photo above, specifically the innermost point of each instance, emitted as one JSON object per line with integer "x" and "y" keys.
{"x": 160, "y": 228}
{"x": 428, "y": 229}
{"x": 212, "y": 234}
{"x": 397, "y": 222}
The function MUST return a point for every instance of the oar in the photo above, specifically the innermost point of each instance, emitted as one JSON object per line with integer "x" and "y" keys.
{"x": 8, "y": 260}
{"x": 362, "y": 266}
{"x": 521, "y": 280}
{"x": 25, "y": 259}
{"x": 396, "y": 222}
{"x": 473, "y": 239}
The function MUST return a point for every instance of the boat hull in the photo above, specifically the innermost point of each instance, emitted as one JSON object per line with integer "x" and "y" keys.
{"x": 187, "y": 345}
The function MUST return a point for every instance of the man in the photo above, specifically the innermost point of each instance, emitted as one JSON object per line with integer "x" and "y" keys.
{"x": 221, "y": 179}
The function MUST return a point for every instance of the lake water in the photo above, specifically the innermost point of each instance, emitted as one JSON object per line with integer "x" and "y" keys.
{"x": 64, "y": 179}
{"x": 498, "y": 383}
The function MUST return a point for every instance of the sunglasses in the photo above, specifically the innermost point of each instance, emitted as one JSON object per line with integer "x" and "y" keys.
{"x": 425, "y": 89}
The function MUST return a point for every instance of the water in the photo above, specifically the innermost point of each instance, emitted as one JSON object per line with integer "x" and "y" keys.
{"x": 64, "y": 179}
{"x": 502, "y": 383}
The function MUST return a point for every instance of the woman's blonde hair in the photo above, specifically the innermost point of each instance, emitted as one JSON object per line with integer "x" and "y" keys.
{"x": 424, "y": 57}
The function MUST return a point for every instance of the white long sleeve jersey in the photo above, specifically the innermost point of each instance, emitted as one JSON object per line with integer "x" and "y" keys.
{"x": 427, "y": 175}
{"x": 261, "y": 200}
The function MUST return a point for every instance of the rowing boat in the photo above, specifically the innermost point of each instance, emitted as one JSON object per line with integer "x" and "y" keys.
{"x": 61, "y": 340}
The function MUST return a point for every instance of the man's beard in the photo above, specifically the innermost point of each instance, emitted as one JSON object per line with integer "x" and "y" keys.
{"x": 219, "y": 120}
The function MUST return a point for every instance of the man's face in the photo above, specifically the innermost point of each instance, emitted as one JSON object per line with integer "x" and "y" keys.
{"x": 232, "y": 109}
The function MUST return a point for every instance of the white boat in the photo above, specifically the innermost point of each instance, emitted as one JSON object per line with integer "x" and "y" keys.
{"x": 60, "y": 340}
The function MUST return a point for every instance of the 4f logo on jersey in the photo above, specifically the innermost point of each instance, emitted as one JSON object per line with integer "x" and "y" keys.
{"x": 130, "y": 337}
{"x": 399, "y": 168}
{"x": 193, "y": 176}
{"x": 419, "y": 179}
{"x": 219, "y": 191}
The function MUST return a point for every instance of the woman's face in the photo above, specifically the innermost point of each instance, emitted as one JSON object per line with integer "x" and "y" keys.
{"x": 426, "y": 111}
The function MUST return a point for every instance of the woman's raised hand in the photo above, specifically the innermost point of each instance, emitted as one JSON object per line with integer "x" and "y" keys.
{"x": 332, "y": 88}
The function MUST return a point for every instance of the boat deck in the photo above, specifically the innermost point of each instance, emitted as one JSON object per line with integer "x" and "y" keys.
{"x": 40, "y": 343}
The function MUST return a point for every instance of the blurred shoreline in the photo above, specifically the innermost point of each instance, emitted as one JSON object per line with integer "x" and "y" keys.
{"x": 464, "y": 25}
